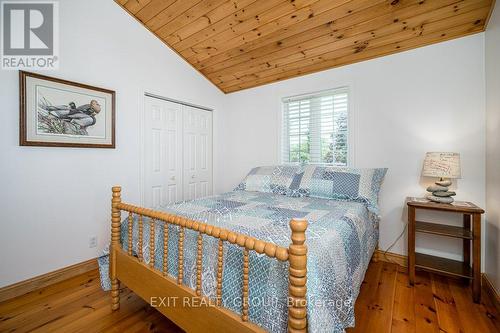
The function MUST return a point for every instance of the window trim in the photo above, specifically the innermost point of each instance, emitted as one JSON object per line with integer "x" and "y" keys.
{"x": 350, "y": 123}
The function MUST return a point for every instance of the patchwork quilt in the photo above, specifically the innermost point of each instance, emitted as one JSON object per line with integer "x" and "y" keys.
{"x": 341, "y": 238}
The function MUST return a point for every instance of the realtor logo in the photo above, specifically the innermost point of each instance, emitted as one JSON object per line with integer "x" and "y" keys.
{"x": 29, "y": 35}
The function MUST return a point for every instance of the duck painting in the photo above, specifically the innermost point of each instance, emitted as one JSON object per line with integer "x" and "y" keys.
{"x": 60, "y": 113}
{"x": 67, "y": 119}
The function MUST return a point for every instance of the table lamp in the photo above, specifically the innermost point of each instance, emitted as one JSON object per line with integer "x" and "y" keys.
{"x": 444, "y": 166}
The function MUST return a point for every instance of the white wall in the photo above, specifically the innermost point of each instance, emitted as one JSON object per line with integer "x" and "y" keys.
{"x": 493, "y": 149}
{"x": 53, "y": 199}
{"x": 429, "y": 99}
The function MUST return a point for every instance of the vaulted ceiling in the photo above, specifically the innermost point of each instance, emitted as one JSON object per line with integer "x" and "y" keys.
{"x": 239, "y": 44}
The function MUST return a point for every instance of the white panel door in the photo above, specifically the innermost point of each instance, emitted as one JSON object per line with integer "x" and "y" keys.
{"x": 197, "y": 152}
{"x": 162, "y": 152}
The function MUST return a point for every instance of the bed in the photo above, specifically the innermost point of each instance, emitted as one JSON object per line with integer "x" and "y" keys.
{"x": 277, "y": 254}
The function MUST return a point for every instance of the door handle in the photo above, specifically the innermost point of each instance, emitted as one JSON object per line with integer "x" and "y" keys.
{"x": 193, "y": 176}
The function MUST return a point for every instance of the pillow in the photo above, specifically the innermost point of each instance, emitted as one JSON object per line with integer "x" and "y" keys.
{"x": 279, "y": 179}
{"x": 331, "y": 182}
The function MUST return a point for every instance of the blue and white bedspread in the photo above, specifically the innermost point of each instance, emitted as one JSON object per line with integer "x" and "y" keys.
{"x": 341, "y": 238}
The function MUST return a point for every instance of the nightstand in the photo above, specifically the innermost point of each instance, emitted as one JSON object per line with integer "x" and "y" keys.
{"x": 461, "y": 269}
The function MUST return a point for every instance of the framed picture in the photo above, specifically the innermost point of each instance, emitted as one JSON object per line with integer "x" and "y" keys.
{"x": 60, "y": 113}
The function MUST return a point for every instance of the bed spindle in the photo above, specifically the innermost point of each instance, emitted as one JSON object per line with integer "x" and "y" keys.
{"x": 295, "y": 254}
{"x": 297, "y": 278}
{"x": 115, "y": 245}
{"x": 130, "y": 231}
{"x": 244, "y": 310}
{"x": 219, "y": 272}
{"x": 165, "y": 249}
{"x": 180, "y": 273}
{"x": 199, "y": 263}
{"x": 139, "y": 249}
{"x": 152, "y": 243}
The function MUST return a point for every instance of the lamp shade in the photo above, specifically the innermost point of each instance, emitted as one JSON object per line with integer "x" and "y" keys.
{"x": 443, "y": 165}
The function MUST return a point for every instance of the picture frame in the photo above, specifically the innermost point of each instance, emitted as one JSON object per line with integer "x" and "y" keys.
{"x": 60, "y": 113}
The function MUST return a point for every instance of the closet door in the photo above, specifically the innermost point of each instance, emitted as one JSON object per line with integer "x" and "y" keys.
{"x": 197, "y": 153}
{"x": 162, "y": 152}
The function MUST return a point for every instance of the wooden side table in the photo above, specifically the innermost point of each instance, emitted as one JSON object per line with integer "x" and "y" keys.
{"x": 445, "y": 266}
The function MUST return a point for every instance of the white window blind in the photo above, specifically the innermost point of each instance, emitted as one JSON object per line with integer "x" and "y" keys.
{"x": 315, "y": 128}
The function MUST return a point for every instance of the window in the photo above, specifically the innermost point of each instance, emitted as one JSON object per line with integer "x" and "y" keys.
{"x": 315, "y": 128}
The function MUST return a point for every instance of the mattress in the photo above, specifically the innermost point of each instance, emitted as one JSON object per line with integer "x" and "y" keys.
{"x": 341, "y": 238}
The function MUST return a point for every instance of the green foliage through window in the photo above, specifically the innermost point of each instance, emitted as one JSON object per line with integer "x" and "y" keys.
{"x": 316, "y": 128}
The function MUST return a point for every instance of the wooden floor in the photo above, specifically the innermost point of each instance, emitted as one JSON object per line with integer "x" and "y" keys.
{"x": 386, "y": 304}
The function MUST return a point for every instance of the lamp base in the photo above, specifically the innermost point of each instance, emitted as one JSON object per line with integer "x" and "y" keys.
{"x": 437, "y": 199}
{"x": 440, "y": 192}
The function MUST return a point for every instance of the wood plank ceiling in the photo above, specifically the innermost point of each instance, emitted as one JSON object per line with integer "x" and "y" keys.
{"x": 239, "y": 44}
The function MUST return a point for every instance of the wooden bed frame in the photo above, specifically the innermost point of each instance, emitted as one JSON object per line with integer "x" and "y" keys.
{"x": 189, "y": 309}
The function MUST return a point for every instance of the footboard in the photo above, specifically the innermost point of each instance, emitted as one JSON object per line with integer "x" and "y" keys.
{"x": 151, "y": 283}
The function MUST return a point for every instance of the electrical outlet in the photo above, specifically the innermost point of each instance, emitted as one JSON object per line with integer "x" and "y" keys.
{"x": 92, "y": 241}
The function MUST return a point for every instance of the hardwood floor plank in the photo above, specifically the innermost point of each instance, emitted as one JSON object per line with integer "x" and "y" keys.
{"x": 473, "y": 317}
{"x": 386, "y": 303}
{"x": 54, "y": 310}
{"x": 48, "y": 279}
{"x": 403, "y": 317}
{"x": 469, "y": 314}
{"x": 131, "y": 319}
{"x": 445, "y": 305}
{"x": 102, "y": 316}
{"x": 380, "y": 307}
{"x": 425, "y": 310}
{"x": 141, "y": 326}
{"x": 103, "y": 319}
{"x": 490, "y": 309}
{"x": 22, "y": 316}
{"x": 367, "y": 293}
{"x": 67, "y": 319}
{"x": 38, "y": 296}
{"x": 153, "y": 322}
